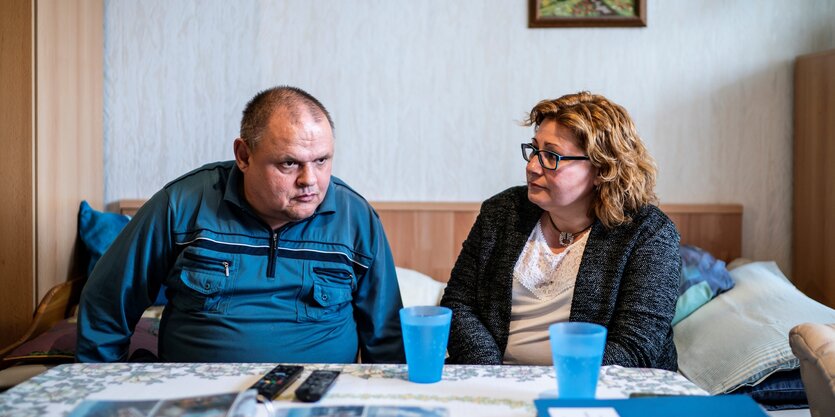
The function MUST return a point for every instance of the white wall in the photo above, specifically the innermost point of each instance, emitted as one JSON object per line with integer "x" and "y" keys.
{"x": 427, "y": 95}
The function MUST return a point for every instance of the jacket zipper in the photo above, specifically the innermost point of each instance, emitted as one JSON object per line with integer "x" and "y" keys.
{"x": 272, "y": 255}
{"x": 199, "y": 258}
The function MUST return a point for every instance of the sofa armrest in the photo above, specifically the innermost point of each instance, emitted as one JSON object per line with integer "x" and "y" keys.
{"x": 814, "y": 345}
{"x": 56, "y": 305}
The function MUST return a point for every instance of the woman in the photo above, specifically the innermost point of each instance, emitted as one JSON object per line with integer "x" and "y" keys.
{"x": 581, "y": 242}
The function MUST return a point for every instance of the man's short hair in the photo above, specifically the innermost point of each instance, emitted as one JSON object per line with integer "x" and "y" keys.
{"x": 259, "y": 110}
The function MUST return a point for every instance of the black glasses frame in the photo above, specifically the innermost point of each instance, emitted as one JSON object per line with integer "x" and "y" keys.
{"x": 539, "y": 152}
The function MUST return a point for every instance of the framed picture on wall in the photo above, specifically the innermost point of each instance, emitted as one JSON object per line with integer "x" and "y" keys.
{"x": 586, "y": 13}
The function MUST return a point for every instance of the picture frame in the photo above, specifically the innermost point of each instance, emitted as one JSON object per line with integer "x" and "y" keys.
{"x": 586, "y": 13}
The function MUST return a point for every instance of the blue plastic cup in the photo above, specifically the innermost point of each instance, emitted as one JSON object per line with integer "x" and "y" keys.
{"x": 577, "y": 349}
{"x": 425, "y": 335}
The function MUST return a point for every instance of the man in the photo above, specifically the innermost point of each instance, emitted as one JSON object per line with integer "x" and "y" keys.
{"x": 266, "y": 259}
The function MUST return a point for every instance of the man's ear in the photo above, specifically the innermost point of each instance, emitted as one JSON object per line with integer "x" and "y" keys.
{"x": 242, "y": 154}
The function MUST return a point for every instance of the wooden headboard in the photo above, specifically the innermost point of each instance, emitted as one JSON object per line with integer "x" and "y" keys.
{"x": 428, "y": 236}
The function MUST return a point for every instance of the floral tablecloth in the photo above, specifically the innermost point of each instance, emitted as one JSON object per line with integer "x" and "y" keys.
{"x": 465, "y": 390}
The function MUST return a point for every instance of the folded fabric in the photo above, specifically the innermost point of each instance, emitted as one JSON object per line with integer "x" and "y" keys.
{"x": 782, "y": 390}
{"x": 698, "y": 265}
{"x": 695, "y": 297}
{"x": 702, "y": 278}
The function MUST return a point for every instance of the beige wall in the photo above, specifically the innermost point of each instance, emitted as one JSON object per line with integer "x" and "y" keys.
{"x": 427, "y": 95}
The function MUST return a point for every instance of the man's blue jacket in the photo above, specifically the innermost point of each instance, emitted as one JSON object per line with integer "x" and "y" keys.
{"x": 315, "y": 290}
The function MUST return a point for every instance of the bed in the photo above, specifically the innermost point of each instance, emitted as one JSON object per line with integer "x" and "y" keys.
{"x": 426, "y": 237}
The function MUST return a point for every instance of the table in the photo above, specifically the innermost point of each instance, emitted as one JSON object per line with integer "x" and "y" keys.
{"x": 466, "y": 390}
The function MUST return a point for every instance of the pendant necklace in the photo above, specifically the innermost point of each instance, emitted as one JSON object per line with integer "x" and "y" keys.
{"x": 567, "y": 238}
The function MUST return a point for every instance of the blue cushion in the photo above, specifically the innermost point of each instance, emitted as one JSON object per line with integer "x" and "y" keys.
{"x": 702, "y": 278}
{"x": 695, "y": 297}
{"x": 97, "y": 231}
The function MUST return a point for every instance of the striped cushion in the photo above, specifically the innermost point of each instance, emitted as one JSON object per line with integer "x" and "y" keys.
{"x": 741, "y": 337}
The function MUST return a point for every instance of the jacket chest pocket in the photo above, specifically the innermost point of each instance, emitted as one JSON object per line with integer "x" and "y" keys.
{"x": 205, "y": 282}
{"x": 331, "y": 292}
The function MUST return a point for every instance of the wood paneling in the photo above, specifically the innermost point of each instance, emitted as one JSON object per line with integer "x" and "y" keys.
{"x": 17, "y": 213}
{"x": 427, "y": 237}
{"x": 129, "y": 207}
{"x": 51, "y": 112}
{"x": 813, "y": 244}
{"x": 70, "y": 129}
{"x": 716, "y": 228}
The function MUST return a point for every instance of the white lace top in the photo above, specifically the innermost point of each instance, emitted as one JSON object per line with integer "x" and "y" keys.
{"x": 543, "y": 285}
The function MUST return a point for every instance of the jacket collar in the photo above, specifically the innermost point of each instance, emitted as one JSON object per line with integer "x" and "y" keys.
{"x": 235, "y": 187}
{"x": 328, "y": 205}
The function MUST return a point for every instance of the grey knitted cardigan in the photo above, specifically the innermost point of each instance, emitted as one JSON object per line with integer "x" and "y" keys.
{"x": 627, "y": 281}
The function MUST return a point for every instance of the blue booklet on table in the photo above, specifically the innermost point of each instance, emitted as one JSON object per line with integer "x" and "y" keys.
{"x": 677, "y": 406}
{"x": 363, "y": 411}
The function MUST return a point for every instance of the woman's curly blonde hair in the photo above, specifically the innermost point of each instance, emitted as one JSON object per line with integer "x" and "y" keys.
{"x": 625, "y": 170}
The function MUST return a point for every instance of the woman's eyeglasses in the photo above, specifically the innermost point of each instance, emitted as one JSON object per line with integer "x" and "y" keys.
{"x": 547, "y": 159}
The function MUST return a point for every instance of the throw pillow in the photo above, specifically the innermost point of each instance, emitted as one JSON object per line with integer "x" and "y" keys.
{"x": 417, "y": 289}
{"x": 97, "y": 231}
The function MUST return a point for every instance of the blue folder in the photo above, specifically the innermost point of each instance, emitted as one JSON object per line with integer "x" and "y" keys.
{"x": 678, "y": 406}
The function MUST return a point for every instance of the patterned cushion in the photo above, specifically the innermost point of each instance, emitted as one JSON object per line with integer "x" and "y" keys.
{"x": 702, "y": 278}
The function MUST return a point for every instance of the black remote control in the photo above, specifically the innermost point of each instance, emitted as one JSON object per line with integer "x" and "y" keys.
{"x": 277, "y": 380}
{"x": 316, "y": 385}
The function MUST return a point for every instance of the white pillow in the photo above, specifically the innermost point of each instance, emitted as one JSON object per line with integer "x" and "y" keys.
{"x": 417, "y": 289}
{"x": 741, "y": 336}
